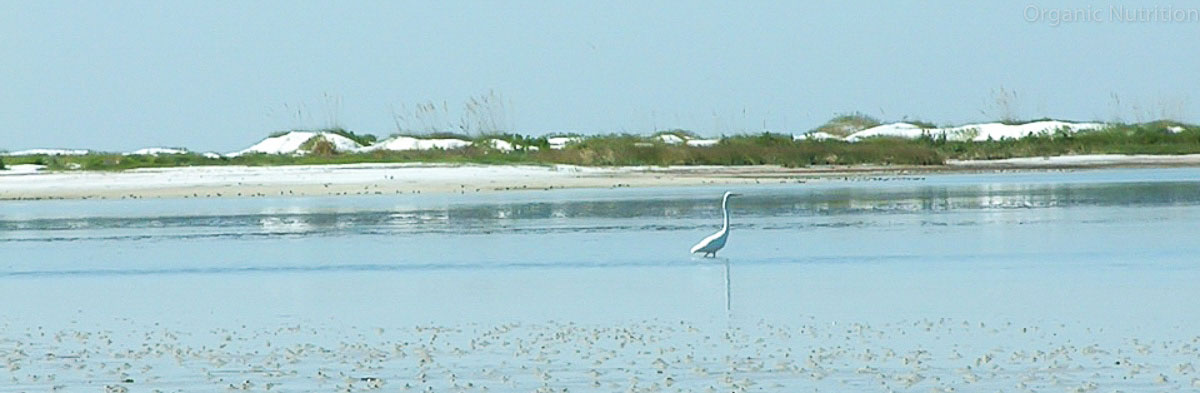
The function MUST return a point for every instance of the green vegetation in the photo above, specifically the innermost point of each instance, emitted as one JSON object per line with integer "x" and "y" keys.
{"x": 362, "y": 139}
{"x": 1, "y": 163}
{"x": 846, "y": 124}
{"x": 18, "y": 160}
{"x": 1160, "y": 137}
{"x": 318, "y": 145}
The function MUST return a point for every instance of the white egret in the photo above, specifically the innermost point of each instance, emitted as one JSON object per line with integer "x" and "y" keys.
{"x": 715, "y": 242}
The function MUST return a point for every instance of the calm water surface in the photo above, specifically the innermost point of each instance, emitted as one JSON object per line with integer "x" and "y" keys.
{"x": 1092, "y": 246}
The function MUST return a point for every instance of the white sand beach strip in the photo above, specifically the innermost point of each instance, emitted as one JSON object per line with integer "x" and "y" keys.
{"x": 313, "y": 180}
{"x": 34, "y": 182}
{"x": 1091, "y": 160}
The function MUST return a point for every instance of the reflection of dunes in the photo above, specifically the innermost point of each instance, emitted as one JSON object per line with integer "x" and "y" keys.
{"x": 413, "y": 218}
{"x": 788, "y": 205}
{"x": 284, "y": 225}
{"x": 440, "y": 215}
{"x": 403, "y": 216}
{"x": 1012, "y": 202}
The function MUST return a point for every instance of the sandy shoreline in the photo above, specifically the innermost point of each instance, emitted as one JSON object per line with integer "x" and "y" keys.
{"x": 383, "y": 179}
{"x": 380, "y": 179}
{"x": 325, "y": 180}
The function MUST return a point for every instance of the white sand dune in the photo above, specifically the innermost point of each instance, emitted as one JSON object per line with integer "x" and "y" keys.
{"x": 818, "y": 136}
{"x": 996, "y": 131}
{"x": 402, "y": 143}
{"x": 969, "y": 132}
{"x": 702, "y": 142}
{"x": 974, "y": 132}
{"x": 1088, "y": 160}
{"x": 898, "y": 130}
{"x": 290, "y": 143}
{"x": 501, "y": 145}
{"x": 670, "y": 139}
{"x": 48, "y": 152}
{"x": 154, "y": 151}
{"x": 21, "y": 169}
{"x": 561, "y": 142}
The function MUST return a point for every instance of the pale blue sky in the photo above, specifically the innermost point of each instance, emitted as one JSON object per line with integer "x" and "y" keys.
{"x": 118, "y": 75}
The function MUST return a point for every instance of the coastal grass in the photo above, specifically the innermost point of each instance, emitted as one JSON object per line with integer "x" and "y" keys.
{"x": 1160, "y": 137}
{"x": 756, "y": 149}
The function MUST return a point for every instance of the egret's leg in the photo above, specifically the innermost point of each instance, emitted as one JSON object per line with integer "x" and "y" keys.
{"x": 728, "y": 292}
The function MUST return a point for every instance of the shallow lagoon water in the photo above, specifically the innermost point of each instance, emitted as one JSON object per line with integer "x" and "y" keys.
{"x": 944, "y": 264}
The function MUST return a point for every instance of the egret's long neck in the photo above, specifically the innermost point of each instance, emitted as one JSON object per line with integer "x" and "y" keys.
{"x": 725, "y": 211}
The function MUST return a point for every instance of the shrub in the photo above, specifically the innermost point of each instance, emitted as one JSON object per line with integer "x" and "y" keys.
{"x": 846, "y": 124}
{"x": 362, "y": 139}
{"x": 322, "y": 147}
{"x": 681, "y": 133}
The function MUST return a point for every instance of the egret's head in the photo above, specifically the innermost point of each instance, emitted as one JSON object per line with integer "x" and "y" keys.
{"x": 731, "y": 194}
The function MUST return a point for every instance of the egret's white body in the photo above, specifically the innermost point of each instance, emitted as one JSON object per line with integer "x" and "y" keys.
{"x": 715, "y": 242}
